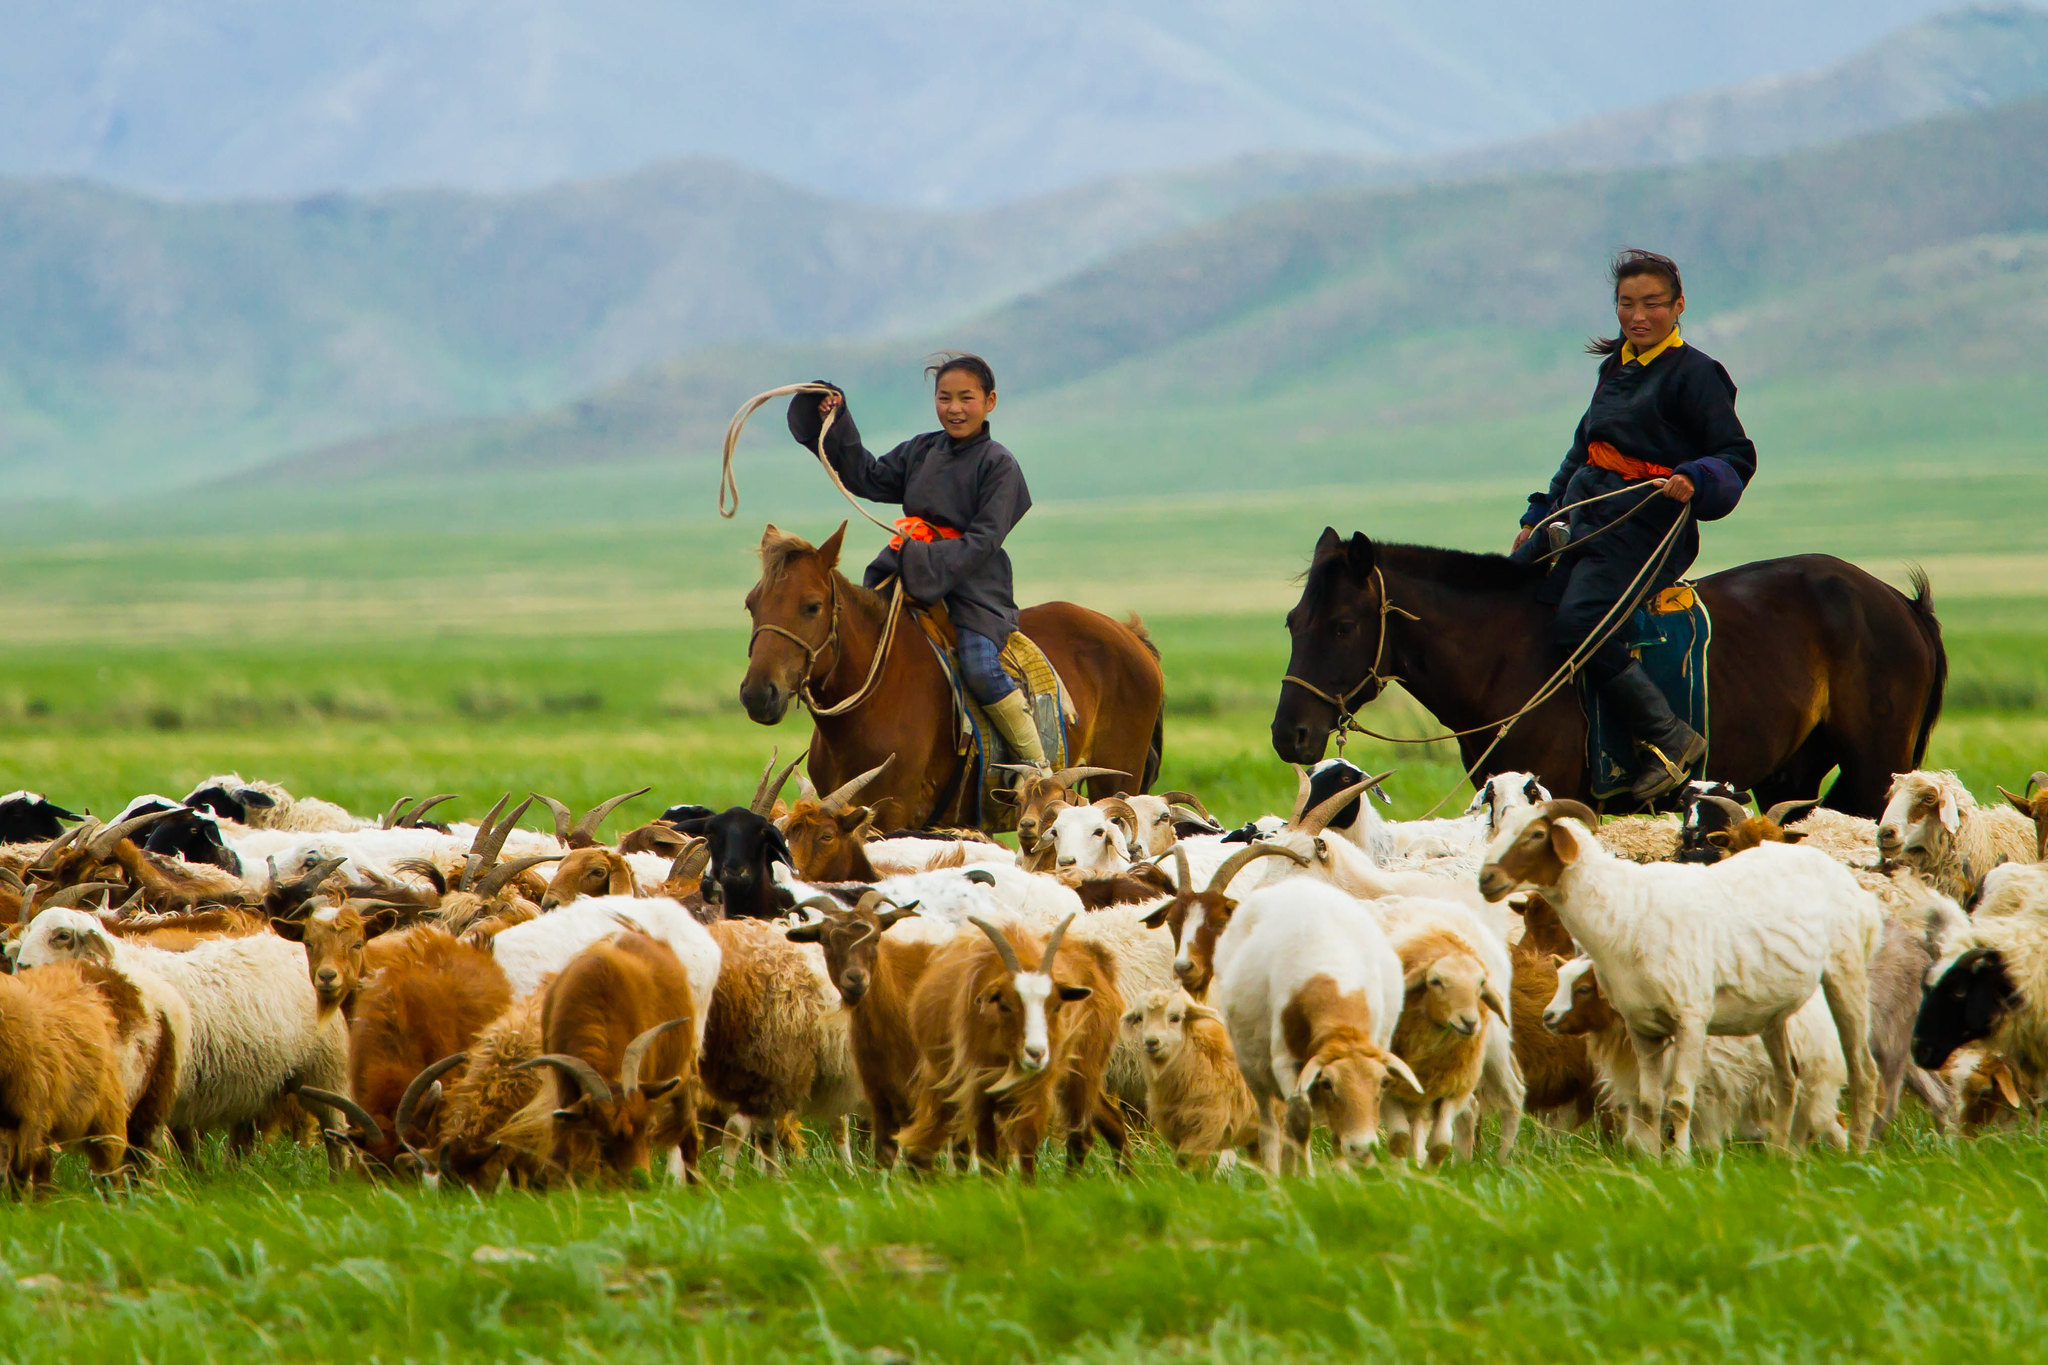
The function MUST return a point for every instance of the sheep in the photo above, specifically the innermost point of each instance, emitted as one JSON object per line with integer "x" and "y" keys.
{"x": 2033, "y": 805}
{"x": 1933, "y": 825}
{"x": 1009, "y": 1056}
{"x": 1440, "y": 1034}
{"x": 1990, "y": 983}
{"x": 1641, "y": 838}
{"x": 60, "y": 1077}
{"x": 30, "y": 817}
{"x": 1195, "y": 1097}
{"x": 1311, "y": 991}
{"x": 1685, "y": 951}
{"x": 257, "y": 1031}
{"x": 1736, "y": 1094}
{"x": 1093, "y": 840}
{"x": 532, "y": 952}
{"x": 1849, "y": 839}
{"x": 265, "y": 805}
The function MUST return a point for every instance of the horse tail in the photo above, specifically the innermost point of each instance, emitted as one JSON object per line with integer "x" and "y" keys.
{"x": 1922, "y": 603}
{"x": 1156, "y": 755}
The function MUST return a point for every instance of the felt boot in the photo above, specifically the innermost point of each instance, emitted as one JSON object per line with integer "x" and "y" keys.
{"x": 1669, "y": 746}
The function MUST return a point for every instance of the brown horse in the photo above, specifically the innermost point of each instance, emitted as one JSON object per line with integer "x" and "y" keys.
{"x": 1816, "y": 665}
{"x": 816, "y": 633}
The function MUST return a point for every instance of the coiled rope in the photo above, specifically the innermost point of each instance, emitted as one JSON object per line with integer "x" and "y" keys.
{"x": 728, "y": 484}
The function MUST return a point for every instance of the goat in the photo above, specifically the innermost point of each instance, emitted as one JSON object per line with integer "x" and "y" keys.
{"x": 1194, "y": 920}
{"x": 479, "y": 1103}
{"x": 1736, "y": 829}
{"x": 1686, "y": 951}
{"x": 825, "y": 833}
{"x": 1195, "y": 1097}
{"x": 1037, "y": 790}
{"x": 2033, "y": 805}
{"x": 581, "y": 831}
{"x": 1162, "y": 820}
{"x": 1009, "y": 1055}
{"x": 1440, "y": 1034}
{"x": 1092, "y": 840}
{"x": 745, "y": 847}
{"x": 335, "y": 938}
{"x": 1933, "y": 825}
{"x": 532, "y": 952}
{"x": 1557, "y": 1074}
{"x": 60, "y": 1078}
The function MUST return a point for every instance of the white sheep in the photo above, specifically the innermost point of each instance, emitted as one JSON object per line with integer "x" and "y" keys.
{"x": 266, "y": 805}
{"x": 1933, "y": 825}
{"x": 1685, "y": 951}
{"x": 257, "y": 1030}
{"x": 1093, "y": 840}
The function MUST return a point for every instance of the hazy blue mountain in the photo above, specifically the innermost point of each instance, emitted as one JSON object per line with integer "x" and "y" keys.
{"x": 905, "y": 101}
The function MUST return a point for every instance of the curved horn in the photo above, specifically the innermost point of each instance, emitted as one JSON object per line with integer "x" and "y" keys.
{"x": 424, "y": 867}
{"x": 1069, "y": 777}
{"x": 10, "y": 879}
{"x": 692, "y": 861}
{"x": 576, "y": 1069}
{"x": 1781, "y": 812}
{"x": 636, "y": 1053}
{"x": 1182, "y": 873}
{"x": 586, "y": 825}
{"x": 1115, "y": 807}
{"x": 417, "y": 1091}
{"x": 103, "y": 841}
{"x": 1403, "y": 1070}
{"x": 1237, "y": 862}
{"x": 1190, "y": 800}
{"x": 47, "y": 859}
{"x": 1734, "y": 810}
{"x": 1307, "y": 1077}
{"x": 490, "y": 841}
{"x": 484, "y": 826}
{"x": 1302, "y": 782}
{"x": 72, "y": 897}
{"x": 823, "y": 904}
{"x": 770, "y": 789}
{"x": 411, "y": 819}
{"x": 1318, "y": 820}
{"x": 390, "y": 820}
{"x": 1052, "y": 945}
{"x": 1003, "y": 948}
{"x": 495, "y": 880}
{"x": 347, "y": 1106}
{"x": 563, "y": 820}
{"x": 843, "y": 795}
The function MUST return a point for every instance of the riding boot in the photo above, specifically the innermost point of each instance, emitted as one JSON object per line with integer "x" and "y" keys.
{"x": 1670, "y": 746}
{"x": 1018, "y": 727}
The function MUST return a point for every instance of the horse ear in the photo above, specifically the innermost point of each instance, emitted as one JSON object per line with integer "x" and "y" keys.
{"x": 1359, "y": 556}
{"x": 828, "y": 553}
{"x": 1329, "y": 545}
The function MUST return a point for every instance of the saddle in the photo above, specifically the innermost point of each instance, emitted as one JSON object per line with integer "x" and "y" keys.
{"x": 977, "y": 739}
{"x": 1669, "y": 635}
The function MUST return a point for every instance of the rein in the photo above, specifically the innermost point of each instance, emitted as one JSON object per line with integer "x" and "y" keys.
{"x": 1617, "y": 615}
{"x": 812, "y": 653}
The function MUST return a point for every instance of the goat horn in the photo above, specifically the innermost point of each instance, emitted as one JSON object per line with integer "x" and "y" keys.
{"x": 1068, "y": 777}
{"x": 692, "y": 861}
{"x": 1302, "y": 782}
{"x": 636, "y": 1053}
{"x": 1182, "y": 872}
{"x": 411, "y": 819}
{"x": 488, "y": 848}
{"x": 587, "y": 825}
{"x": 483, "y": 828}
{"x": 563, "y": 820}
{"x": 424, "y": 867}
{"x": 348, "y": 1107}
{"x": 122, "y": 910}
{"x": 28, "y": 908}
{"x": 823, "y": 904}
{"x": 1734, "y": 810}
{"x": 1779, "y": 813}
{"x": 1115, "y": 806}
{"x": 843, "y": 796}
{"x": 576, "y": 1069}
{"x": 1404, "y": 1071}
{"x": 804, "y": 790}
{"x": 1052, "y": 945}
{"x": 1190, "y": 800}
{"x": 770, "y": 790}
{"x": 390, "y": 820}
{"x": 1318, "y": 820}
{"x": 2039, "y": 779}
{"x": 417, "y": 1091}
{"x": 72, "y": 897}
{"x": 1003, "y": 948}
{"x": 10, "y": 879}
{"x": 1237, "y": 862}
{"x": 103, "y": 841}
{"x": 48, "y": 857}
{"x": 496, "y": 880}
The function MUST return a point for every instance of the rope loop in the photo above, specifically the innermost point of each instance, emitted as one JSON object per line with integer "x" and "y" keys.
{"x": 728, "y": 482}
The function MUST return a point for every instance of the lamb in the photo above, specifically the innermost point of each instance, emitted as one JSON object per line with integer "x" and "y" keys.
{"x": 1933, "y": 825}
{"x": 1195, "y": 1097}
{"x": 60, "y": 1078}
{"x": 1685, "y": 951}
{"x": 1440, "y": 1036}
{"x": 1736, "y": 1094}
{"x": 1311, "y": 991}
{"x": 257, "y": 1030}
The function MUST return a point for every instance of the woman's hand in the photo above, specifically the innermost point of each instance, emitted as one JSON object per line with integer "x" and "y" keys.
{"x": 1522, "y": 538}
{"x": 1678, "y": 488}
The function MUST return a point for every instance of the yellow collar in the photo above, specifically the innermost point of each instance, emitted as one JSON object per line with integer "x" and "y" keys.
{"x": 1629, "y": 356}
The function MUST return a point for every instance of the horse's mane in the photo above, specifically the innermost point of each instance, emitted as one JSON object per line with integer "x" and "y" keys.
{"x": 781, "y": 549}
{"x": 1460, "y": 569}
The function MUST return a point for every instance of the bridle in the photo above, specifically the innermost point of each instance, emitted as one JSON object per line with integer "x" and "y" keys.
{"x": 1347, "y": 714}
{"x": 813, "y": 653}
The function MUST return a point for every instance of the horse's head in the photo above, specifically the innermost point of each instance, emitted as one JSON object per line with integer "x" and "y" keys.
{"x": 1336, "y": 630}
{"x": 794, "y": 618}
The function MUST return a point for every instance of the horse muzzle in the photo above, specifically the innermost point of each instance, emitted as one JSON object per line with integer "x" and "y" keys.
{"x": 765, "y": 700}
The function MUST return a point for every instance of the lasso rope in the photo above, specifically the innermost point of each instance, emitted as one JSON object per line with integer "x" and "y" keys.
{"x": 728, "y": 484}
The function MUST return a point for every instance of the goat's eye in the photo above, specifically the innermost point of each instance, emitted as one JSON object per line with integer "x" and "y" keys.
{"x": 1173, "y": 1018}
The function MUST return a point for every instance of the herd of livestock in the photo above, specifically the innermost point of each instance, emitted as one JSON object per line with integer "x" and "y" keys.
{"x": 484, "y": 1003}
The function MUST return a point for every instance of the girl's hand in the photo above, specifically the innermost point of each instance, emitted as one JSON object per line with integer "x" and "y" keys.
{"x": 1678, "y": 488}
{"x": 1522, "y": 538}
{"x": 828, "y": 403}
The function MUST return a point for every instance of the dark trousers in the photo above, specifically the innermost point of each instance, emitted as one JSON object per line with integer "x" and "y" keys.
{"x": 1585, "y": 587}
{"x": 981, "y": 667}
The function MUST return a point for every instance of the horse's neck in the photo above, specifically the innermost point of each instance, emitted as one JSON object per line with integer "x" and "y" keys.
{"x": 1474, "y": 657}
{"x": 860, "y": 633}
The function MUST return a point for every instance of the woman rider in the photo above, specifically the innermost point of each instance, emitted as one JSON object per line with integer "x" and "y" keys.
{"x": 1662, "y": 420}
{"x": 963, "y": 491}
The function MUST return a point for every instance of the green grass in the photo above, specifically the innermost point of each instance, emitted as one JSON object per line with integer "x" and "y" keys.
{"x": 1919, "y": 1251}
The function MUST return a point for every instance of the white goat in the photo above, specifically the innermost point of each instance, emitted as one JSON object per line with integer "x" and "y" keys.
{"x": 1684, "y": 951}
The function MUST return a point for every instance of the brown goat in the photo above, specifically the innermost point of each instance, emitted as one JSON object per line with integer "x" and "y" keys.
{"x": 1008, "y": 1056}
{"x": 2034, "y": 805}
{"x": 1196, "y": 919}
{"x": 622, "y": 1058}
{"x": 428, "y": 999}
{"x": 827, "y": 834}
{"x": 60, "y": 1078}
{"x": 590, "y": 872}
{"x": 1554, "y": 1066}
{"x": 876, "y": 976}
{"x": 492, "y": 1088}
{"x": 1441, "y": 1035}
{"x": 1746, "y": 831}
{"x": 1195, "y": 1097}
{"x": 336, "y": 939}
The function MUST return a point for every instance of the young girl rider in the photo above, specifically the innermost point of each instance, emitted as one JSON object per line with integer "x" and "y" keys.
{"x": 962, "y": 491}
{"x": 1662, "y": 418}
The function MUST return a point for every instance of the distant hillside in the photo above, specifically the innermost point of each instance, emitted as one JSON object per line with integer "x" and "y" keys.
{"x": 1916, "y": 256}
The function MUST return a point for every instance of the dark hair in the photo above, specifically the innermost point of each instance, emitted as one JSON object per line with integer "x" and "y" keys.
{"x": 1627, "y": 265}
{"x": 948, "y": 361}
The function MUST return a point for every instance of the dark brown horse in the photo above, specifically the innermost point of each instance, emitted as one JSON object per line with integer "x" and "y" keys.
{"x": 1815, "y": 665}
{"x": 816, "y": 632}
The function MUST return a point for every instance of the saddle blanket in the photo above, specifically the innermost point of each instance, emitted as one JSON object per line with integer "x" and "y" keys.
{"x": 1669, "y": 635}
{"x": 976, "y": 737}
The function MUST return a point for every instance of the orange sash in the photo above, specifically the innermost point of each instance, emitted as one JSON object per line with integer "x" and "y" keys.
{"x": 917, "y": 528}
{"x": 1607, "y": 457}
